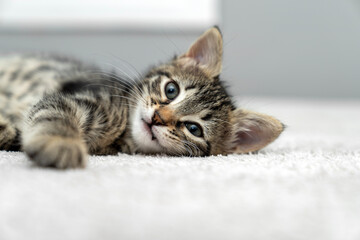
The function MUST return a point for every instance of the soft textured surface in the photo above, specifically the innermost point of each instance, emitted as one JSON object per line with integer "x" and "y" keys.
{"x": 306, "y": 185}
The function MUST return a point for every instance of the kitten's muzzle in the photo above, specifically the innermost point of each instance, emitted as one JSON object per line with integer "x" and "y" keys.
{"x": 148, "y": 127}
{"x": 163, "y": 116}
{"x": 157, "y": 119}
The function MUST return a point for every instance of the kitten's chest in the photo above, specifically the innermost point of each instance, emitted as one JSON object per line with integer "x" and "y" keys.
{"x": 109, "y": 130}
{"x": 121, "y": 144}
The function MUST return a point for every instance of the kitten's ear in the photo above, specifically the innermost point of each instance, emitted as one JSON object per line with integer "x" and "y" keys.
{"x": 252, "y": 131}
{"x": 205, "y": 52}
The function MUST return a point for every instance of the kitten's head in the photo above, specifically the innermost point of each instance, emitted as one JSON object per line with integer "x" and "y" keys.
{"x": 185, "y": 110}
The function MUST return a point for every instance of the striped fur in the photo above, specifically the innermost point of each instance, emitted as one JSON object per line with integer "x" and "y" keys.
{"x": 60, "y": 110}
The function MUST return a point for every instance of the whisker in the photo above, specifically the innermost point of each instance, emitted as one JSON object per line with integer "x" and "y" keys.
{"x": 133, "y": 94}
{"x": 128, "y": 65}
{"x": 180, "y": 149}
{"x": 133, "y": 100}
{"x": 123, "y": 97}
{"x": 119, "y": 69}
{"x": 140, "y": 76}
{"x": 190, "y": 144}
{"x": 118, "y": 80}
{"x": 188, "y": 149}
{"x": 123, "y": 81}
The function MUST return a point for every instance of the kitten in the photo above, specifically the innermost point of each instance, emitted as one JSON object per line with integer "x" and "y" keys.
{"x": 59, "y": 110}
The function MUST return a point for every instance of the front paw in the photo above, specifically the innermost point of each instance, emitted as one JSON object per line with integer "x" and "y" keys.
{"x": 56, "y": 151}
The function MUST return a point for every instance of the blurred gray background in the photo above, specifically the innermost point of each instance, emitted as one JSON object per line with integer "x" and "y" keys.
{"x": 281, "y": 48}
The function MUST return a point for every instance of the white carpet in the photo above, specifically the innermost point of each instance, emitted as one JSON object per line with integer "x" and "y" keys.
{"x": 304, "y": 186}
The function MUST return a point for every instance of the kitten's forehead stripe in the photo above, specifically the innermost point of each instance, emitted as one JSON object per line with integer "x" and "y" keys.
{"x": 212, "y": 97}
{"x": 159, "y": 73}
{"x": 190, "y": 87}
{"x": 163, "y": 74}
{"x": 156, "y": 84}
{"x": 207, "y": 117}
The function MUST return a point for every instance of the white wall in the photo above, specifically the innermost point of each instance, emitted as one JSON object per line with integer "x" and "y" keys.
{"x": 300, "y": 48}
{"x": 293, "y": 47}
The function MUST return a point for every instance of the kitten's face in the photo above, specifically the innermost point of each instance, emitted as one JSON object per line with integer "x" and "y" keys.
{"x": 183, "y": 112}
{"x": 184, "y": 109}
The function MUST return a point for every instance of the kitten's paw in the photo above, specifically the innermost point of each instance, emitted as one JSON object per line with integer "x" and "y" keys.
{"x": 58, "y": 152}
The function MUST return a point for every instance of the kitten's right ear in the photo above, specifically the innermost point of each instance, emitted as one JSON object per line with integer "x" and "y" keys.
{"x": 205, "y": 52}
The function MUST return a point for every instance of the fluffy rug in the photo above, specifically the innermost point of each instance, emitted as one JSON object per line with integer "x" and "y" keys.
{"x": 306, "y": 185}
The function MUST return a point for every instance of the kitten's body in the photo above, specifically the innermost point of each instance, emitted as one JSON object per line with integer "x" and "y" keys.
{"x": 57, "y": 110}
{"x": 61, "y": 86}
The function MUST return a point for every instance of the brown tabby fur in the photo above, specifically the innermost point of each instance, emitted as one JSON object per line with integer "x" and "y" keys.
{"x": 59, "y": 110}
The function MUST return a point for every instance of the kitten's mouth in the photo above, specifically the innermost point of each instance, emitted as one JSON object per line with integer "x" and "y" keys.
{"x": 148, "y": 128}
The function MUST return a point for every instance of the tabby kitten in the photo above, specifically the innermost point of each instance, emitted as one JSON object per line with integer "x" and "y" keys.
{"x": 58, "y": 110}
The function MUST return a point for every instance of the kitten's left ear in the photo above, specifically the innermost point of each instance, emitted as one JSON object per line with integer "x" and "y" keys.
{"x": 205, "y": 52}
{"x": 252, "y": 131}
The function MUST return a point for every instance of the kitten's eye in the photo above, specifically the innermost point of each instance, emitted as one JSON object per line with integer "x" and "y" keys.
{"x": 194, "y": 129}
{"x": 171, "y": 90}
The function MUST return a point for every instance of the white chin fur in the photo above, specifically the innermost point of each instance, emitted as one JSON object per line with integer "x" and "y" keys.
{"x": 142, "y": 138}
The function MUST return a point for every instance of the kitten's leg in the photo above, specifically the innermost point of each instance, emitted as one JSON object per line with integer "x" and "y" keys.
{"x": 9, "y": 135}
{"x": 61, "y": 130}
{"x": 53, "y": 137}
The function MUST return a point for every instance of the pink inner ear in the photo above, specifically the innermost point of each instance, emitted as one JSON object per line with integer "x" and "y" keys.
{"x": 205, "y": 53}
{"x": 199, "y": 51}
{"x": 253, "y": 138}
{"x": 250, "y": 137}
{"x": 253, "y": 131}
{"x": 199, "y": 58}
{"x": 246, "y": 138}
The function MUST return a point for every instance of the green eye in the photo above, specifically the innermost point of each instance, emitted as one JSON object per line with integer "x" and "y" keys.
{"x": 194, "y": 129}
{"x": 171, "y": 90}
